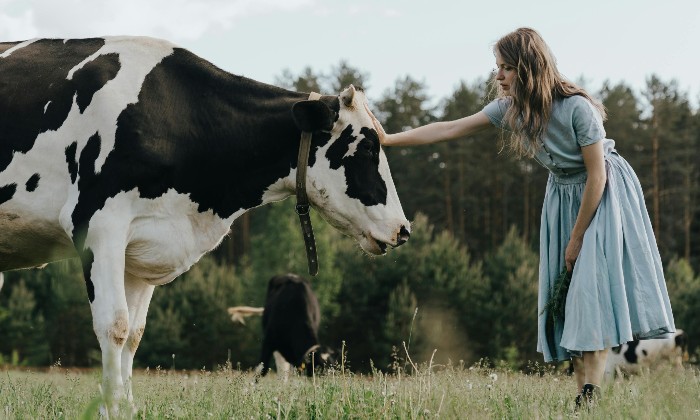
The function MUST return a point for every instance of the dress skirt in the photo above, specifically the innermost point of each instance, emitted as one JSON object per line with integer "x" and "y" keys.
{"x": 617, "y": 291}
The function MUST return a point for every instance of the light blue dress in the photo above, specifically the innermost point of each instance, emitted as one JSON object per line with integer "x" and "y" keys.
{"x": 617, "y": 292}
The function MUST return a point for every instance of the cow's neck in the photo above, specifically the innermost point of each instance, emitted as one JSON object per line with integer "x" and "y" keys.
{"x": 250, "y": 142}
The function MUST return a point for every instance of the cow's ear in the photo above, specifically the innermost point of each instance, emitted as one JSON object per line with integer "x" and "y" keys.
{"x": 312, "y": 115}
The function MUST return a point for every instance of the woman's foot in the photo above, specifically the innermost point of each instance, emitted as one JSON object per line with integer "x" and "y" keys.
{"x": 589, "y": 396}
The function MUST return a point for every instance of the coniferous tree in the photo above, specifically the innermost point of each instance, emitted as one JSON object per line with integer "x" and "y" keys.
{"x": 344, "y": 75}
{"x": 674, "y": 168}
{"x": 416, "y": 170}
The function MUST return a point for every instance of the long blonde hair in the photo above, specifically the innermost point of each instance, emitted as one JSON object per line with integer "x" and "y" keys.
{"x": 538, "y": 83}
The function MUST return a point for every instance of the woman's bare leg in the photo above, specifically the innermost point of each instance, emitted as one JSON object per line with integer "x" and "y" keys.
{"x": 579, "y": 372}
{"x": 594, "y": 366}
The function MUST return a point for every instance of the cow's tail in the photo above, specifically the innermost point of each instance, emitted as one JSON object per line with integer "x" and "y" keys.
{"x": 239, "y": 313}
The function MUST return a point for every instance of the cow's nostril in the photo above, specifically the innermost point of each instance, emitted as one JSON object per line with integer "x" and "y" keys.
{"x": 403, "y": 237}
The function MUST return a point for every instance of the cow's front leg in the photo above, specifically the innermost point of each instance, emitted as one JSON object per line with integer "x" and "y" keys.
{"x": 103, "y": 268}
{"x": 138, "y": 298}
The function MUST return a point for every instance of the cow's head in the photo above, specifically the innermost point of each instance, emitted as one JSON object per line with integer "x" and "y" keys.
{"x": 348, "y": 178}
{"x": 319, "y": 360}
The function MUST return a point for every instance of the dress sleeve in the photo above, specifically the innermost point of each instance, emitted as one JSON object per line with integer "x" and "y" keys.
{"x": 495, "y": 110}
{"x": 588, "y": 123}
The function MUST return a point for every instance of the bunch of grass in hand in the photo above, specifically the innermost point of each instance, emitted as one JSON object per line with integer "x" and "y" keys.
{"x": 557, "y": 298}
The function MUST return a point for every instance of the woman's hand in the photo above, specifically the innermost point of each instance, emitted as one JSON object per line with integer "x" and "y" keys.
{"x": 572, "y": 251}
{"x": 383, "y": 136}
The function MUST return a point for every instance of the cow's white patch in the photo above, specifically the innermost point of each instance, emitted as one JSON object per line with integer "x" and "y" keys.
{"x": 648, "y": 354}
{"x": 168, "y": 235}
{"x": 137, "y": 57}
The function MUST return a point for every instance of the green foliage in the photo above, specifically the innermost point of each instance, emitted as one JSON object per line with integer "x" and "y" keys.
{"x": 556, "y": 303}
{"x": 434, "y": 274}
{"x": 507, "y": 301}
{"x": 340, "y": 77}
{"x": 684, "y": 291}
{"x": 189, "y": 326}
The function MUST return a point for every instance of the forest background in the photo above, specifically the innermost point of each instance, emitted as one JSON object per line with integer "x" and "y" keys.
{"x": 465, "y": 284}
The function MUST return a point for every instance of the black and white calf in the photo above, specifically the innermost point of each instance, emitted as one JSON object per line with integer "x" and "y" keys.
{"x": 291, "y": 317}
{"x": 136, "y": 156}
{"x": 638, "y": 355}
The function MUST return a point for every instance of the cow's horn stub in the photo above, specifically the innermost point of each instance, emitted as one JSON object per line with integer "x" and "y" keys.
{"x": 347, "y": 95}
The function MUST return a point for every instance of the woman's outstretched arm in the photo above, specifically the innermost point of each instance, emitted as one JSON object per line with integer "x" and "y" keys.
{"x": 435, "y": 132}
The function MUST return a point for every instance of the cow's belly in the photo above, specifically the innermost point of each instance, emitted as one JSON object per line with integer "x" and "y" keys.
{"x": 29, "y": 242}
{"x": 160, "y": 249}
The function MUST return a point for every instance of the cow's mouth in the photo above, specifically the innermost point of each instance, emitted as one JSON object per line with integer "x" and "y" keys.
{"x": 373, "y": 245}
{"x": 382, "y": 246}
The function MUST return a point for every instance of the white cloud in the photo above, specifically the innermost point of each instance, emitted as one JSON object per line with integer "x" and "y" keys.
{"x": 172, "y": 19}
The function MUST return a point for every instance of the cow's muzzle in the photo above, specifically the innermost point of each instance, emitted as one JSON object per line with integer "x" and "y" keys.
{"x": 400, "y": 239}
{"x": 403, "y": 237}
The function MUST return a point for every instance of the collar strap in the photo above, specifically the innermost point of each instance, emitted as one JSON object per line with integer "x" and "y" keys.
{"x": 302, "y": 207}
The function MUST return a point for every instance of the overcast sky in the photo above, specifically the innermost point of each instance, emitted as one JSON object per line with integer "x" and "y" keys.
{"x": 437, "y": 42}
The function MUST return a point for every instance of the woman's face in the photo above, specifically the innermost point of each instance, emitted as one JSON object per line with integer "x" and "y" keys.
{"x": 505, "y": 74}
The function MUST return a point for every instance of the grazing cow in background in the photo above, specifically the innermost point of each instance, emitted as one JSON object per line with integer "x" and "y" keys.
{"x": 638, "y": 355}
{"x": 136, "y": 156}
{"x": 290, "y": 326}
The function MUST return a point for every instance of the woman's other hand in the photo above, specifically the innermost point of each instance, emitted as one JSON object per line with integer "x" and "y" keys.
{"x": 572, "y": 251}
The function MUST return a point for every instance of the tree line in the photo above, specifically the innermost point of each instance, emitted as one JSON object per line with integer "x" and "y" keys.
{"x": 465, "y": 284}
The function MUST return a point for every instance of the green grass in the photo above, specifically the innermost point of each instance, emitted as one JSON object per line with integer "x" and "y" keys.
{"x": 446, "y": 392}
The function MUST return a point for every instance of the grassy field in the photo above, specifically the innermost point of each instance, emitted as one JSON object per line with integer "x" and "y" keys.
{"x": 452, "y": 393}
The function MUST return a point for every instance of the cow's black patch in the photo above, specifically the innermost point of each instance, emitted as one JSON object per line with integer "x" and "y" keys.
{"x": 72, "y": 162}
{"x": 631, "y": 352}
{"x": 91, "y": 77}
{"x": 221, "y": 139}
{"x": 35, "y": 94}
{"x": 86, "y": 170}
{"x": 87, "y": 258}
{"x": 362, "y": 171}
{"x": 681, "y": 341}
{"x": 340, "y": 147}
{"x": 32, "y": 182}
{"x": 7, "y": 192}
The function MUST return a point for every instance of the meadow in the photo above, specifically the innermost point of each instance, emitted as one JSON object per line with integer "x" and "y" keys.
{"x": 450, "y": 392}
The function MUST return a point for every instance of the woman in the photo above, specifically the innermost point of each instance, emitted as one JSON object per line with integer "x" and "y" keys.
{"x": 594, "y": 219}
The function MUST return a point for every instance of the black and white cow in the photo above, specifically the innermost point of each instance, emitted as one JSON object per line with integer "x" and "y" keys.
{"x": 136, "y": 156}
{"x": 638, "y": 355}
{"x": 291, "y": 317}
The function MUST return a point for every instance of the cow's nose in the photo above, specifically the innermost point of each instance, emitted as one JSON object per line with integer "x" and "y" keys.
{"x": 404, "y": 234}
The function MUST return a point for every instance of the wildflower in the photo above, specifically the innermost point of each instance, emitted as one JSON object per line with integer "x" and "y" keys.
{"x": 493, "y": 377}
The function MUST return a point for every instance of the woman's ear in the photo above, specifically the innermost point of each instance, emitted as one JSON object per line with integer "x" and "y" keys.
{"x": 312, "y": 115}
